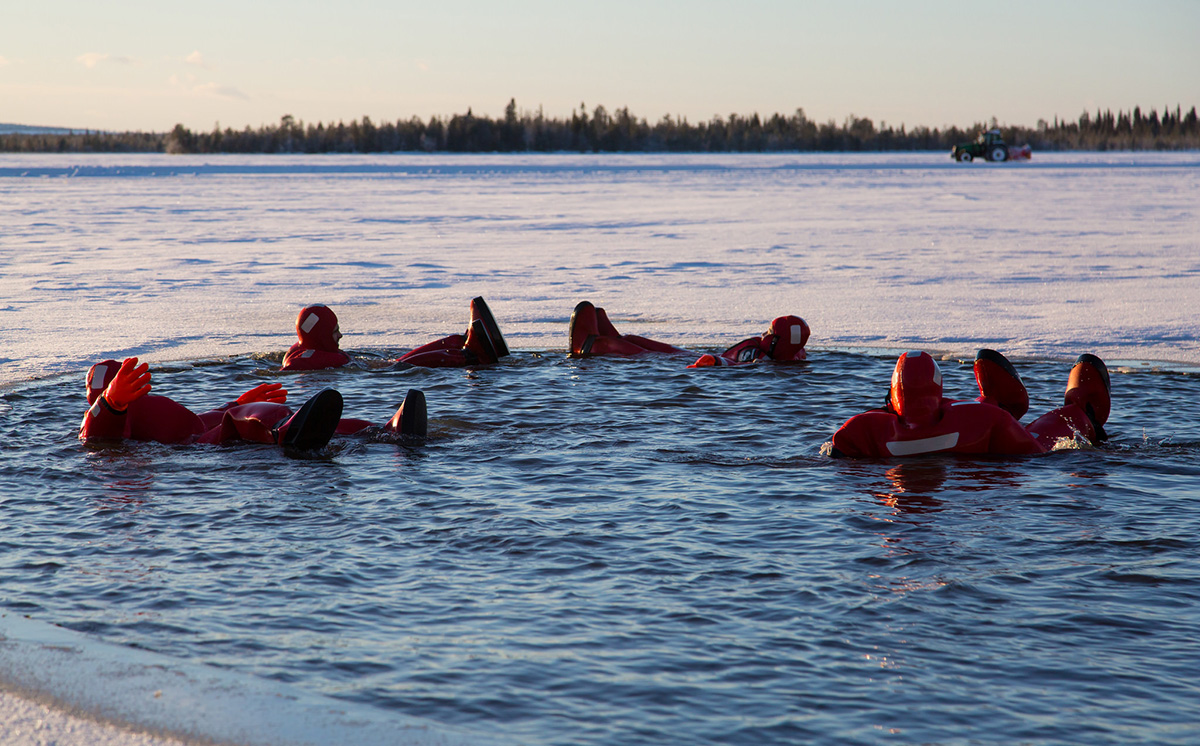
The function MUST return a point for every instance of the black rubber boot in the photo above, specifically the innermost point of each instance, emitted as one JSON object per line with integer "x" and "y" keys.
{"x": 311, "y": 428}
{"x": 411, "y": 419}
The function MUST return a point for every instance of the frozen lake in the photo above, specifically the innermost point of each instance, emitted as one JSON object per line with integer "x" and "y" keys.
{"x": 183, "y": 257}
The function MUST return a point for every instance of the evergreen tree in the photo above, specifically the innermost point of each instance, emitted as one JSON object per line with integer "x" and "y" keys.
{"x": 623, "y": 131}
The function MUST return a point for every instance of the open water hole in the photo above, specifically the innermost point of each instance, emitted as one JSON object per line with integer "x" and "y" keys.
{"x": 614, "y": 552}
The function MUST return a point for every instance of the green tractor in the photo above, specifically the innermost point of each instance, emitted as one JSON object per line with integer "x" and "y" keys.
{"x": 989, "y": 146}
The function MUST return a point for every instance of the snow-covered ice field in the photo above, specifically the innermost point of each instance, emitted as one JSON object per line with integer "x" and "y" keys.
{"x": 183, "y": 257}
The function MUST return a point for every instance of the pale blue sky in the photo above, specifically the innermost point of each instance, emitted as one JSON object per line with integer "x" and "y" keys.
{"x": 138, "y": 64}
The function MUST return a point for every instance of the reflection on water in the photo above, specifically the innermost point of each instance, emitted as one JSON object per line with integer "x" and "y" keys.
{"x": 133, "y": 489}
{"x": 630, "y": 552}
{"x": 911, "y": 486}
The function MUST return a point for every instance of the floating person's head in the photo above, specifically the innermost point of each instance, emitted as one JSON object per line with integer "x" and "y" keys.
{"x": 99, "y": 377}
{"x": 786, "y": 338}
{"x": 916, "y": 388}
{"x": 317, "y": 328}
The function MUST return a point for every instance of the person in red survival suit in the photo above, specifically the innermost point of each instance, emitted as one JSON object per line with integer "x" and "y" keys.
{"x": 918, "y": 420}
{"x": 783, "y": 342}
{"x": 481, "y": 344}
{"x": 591, "y": 333}
{"x": 122, "y": 407}
{"x": 318, "y": 337}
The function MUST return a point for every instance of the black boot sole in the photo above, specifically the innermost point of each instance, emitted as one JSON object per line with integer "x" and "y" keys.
{"x": 414, "y": 417}
{"x": 1100, "y": 367}
{"x": 586, "y": 347}
{"x": 995, "y": 357}
{"x": 490, "y": 326}
{"x": 312, "y": 427}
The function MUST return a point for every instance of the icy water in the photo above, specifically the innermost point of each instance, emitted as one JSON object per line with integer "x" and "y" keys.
{"x": 612, "y": 552}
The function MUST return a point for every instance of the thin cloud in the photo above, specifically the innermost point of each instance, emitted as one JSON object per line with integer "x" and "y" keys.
{"x": 92, "y": 59}
{"x": 3, "y": 60}
{"x": 221, "y": 91}
{"x": 197, "y": 59}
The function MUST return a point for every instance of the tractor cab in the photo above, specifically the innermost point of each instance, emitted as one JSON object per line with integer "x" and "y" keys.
{"x": 989, "y": 146}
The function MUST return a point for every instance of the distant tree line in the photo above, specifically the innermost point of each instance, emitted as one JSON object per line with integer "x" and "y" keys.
{"x": 82, "y": 142}
{"x": 620, "y": 131}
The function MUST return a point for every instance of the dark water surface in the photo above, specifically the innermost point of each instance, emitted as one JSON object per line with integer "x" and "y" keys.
{"x": 629, "y": 552}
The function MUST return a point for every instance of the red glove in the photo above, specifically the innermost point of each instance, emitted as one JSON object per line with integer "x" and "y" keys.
{"x": 705, "y": 361}
{"x": 268, "y": 392}
{"x": 131, "y": 382}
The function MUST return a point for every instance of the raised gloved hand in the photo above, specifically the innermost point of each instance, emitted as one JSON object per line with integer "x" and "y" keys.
{"x": 267, "y": 392}
{"x": 130, "y": 383}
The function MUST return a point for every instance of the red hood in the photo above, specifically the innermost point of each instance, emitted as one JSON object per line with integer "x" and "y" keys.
{"x": 317, "y": 328}
{"x": 916, "y": 388}
{"x": 99, "y": 377}
{"x": 786, "y": 338}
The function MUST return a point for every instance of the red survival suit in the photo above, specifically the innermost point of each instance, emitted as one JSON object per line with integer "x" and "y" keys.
{"x": 918, "y": 420}
{"x": 258, "y": 415}
{"x": 318, "y": 337}
{"x": 122, "y": 408}
{"x": 783, "y": 341}
{"x": 591, "y": 333}
{"x": 481, "y": 344}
